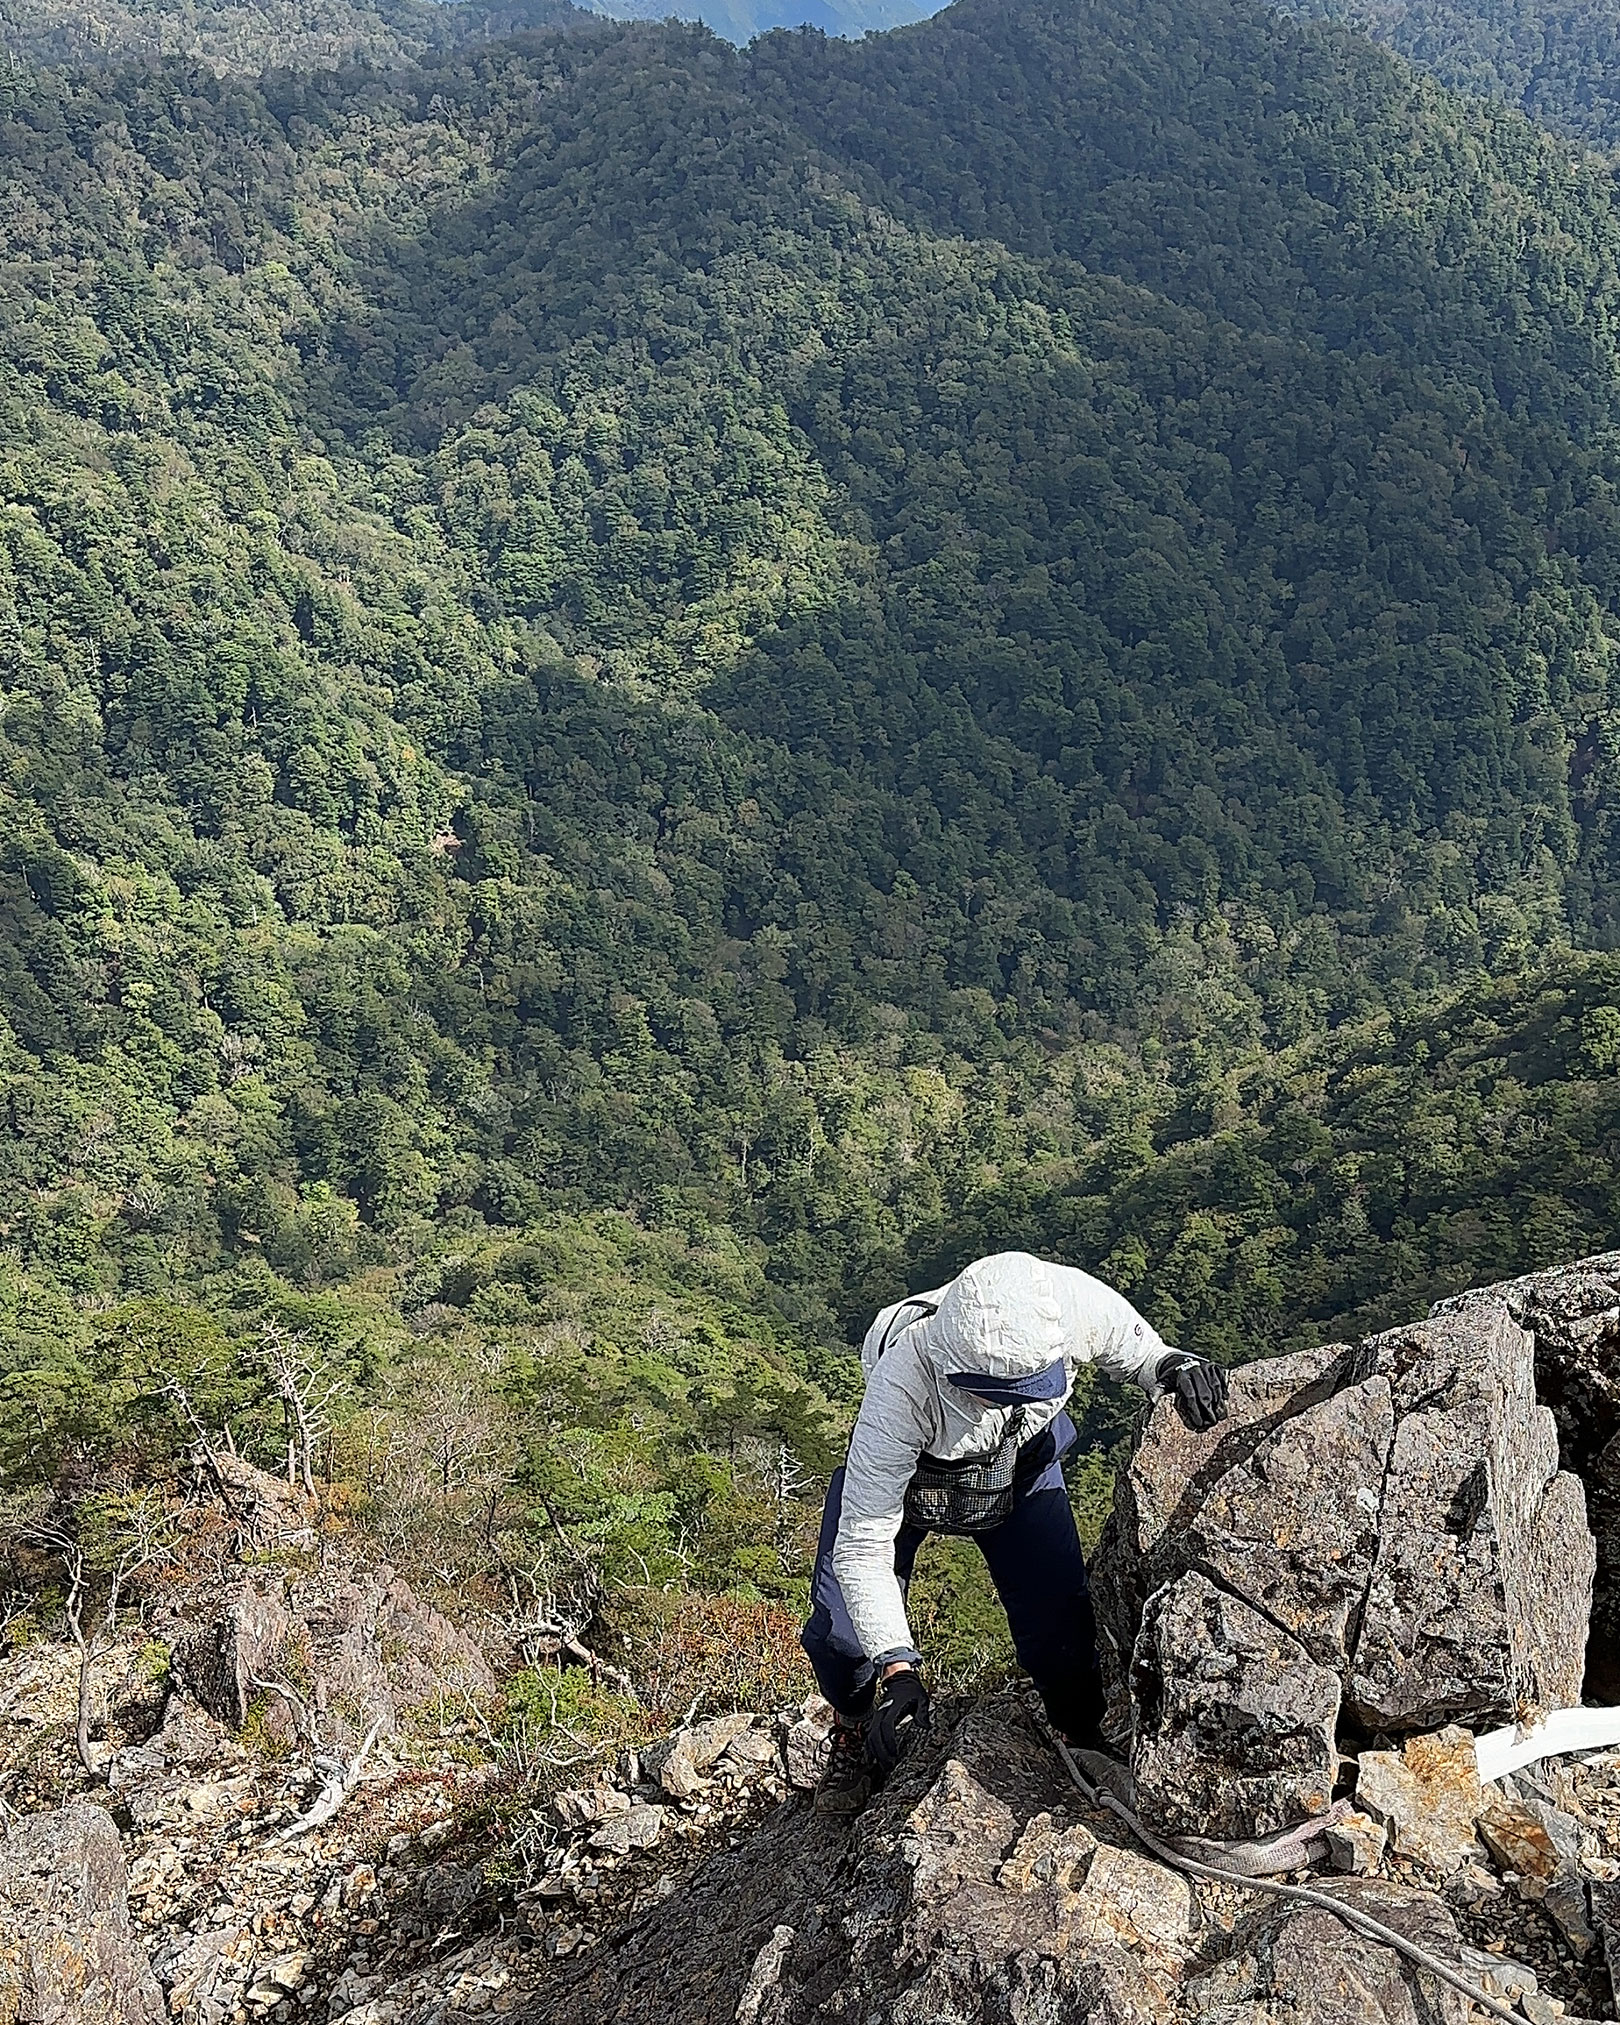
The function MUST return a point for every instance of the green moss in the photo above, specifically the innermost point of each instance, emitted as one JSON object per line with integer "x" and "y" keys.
{"x": 542, "y": 1704}
{"x": 259, "y": 1736}
{"x": 153, "y": 1660}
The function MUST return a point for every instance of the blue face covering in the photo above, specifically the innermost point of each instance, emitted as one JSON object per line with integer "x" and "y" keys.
{"x": 1050, "y": 1383}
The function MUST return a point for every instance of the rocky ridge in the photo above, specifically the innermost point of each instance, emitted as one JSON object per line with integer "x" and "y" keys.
{"x": 1378, "y": 1541}
{"x": 690, "y": 1883}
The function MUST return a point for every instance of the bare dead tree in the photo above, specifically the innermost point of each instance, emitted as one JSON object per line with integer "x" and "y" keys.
{"x": 307, "y": 1391}
{"x": 339, "y": 1777}
{"x": 546, "y": 1632}
{"x": 380, "y": 1442}
{"x": 135, "y": 1533}
{"x": 791, "y": 1482}
{"x": 14, "y": 1607}
{"x": 177, "y": 1391}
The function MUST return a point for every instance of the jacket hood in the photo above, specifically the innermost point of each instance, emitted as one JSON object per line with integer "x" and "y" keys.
{"x": 999, "y": 1317}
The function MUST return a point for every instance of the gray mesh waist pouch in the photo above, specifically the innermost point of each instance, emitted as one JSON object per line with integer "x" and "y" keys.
{"x": 977, "y": 1494}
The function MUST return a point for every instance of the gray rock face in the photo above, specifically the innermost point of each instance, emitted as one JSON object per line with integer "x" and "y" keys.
{"x": 977, "y": 1890}
{"x": 68, "y": 1955}
{"x": 1307, "y": 1967}
{"x": 1483, "y": 1583}
{"x": 1573, "y": 1313}
{"x": 1234, "y": 1719}
{"x": 1159, "y": 1497}
{"x": 1391, "y": 1520}
{"x": 310, "y": 1651}
{"x": 1295, "y": 1528}
{"x": 973, "y": 1888}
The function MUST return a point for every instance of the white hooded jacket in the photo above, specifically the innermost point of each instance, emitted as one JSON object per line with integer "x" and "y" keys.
{"x": 1010, "y": 1316}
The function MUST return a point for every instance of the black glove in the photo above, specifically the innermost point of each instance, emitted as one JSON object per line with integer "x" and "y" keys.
{"x": 1199, "y": 1386}
{"x": 897, "y": 1721}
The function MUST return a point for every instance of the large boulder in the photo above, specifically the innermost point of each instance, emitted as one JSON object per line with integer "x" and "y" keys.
{"x": 1158, "y": 1499}
{"x": 1403, "y": 1550}
{"x": 1573, "y": 1314}
{"x": 68, "y": 1955}
{"x": 1237, "y": 1740}
{"x": 1482, "y": 1588}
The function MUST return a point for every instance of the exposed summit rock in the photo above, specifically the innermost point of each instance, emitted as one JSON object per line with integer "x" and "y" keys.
{"x": 978, "y": 1889}
{"x": 1305, "y": 1966}
{"x": 1482, "y": 1588}
{"x": 1234, "y": 1719}
{"x": 1573, "y": 1313}
{"x": 1378, "y": 1534}
{"x": 1157, "y": 1501}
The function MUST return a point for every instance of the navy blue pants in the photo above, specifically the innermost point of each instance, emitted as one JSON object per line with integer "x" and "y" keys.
{"x": 1034, "y": 1560}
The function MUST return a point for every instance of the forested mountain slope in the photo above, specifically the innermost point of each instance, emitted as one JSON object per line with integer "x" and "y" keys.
{"x": 648, "y": 689}
{"x": 256, "y": 35}
{"x": 1558, "y": 63}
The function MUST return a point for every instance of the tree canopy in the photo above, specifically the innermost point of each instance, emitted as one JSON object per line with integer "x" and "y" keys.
{"x": 648, "y": 690}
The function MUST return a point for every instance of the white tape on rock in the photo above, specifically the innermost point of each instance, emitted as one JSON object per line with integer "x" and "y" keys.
{"x": 1510, "y": 1750}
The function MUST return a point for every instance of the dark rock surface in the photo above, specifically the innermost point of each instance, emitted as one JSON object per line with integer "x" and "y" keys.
{"x": 1302, "y": 1964}
{"x": 1573, "y": 1313}
{"x": 68, "y": 1954}
{"x": 1239, "y": 1740}
{"x": 1398, "y": 1543}
{"x": 977, "y": 1890}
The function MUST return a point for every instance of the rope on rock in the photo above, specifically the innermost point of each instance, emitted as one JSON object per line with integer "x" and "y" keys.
{"x": 1291, "y": 1850}
{"x": 1352, "y": 1916}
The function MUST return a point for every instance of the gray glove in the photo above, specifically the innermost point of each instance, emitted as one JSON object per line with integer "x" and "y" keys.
{"x": 1198, "y": 1385}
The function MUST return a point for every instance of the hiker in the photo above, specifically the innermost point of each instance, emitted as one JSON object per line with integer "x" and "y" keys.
{"x": 962, "y": 1429}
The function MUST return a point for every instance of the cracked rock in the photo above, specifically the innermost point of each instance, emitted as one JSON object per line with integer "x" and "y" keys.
{"x": 1294, "y": 1528}
{"x": 1394, "y": 1540}
{"x": 1483, "y": 1584}
{"x": 1529, "y": 1837}
{"x": 1157, "y": 1500}
{"x": 1235, "y": 1720}
{"x": 970, "y": 1890}
{"x": 1573, "y": 1314}
{"x": 68, "y": 1954}
{"x": 1307, "y": 1967}
{"x": 1429, "y": 1797}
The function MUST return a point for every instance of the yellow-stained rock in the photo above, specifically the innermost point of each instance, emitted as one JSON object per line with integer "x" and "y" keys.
{"x": 1428, "y": 1795}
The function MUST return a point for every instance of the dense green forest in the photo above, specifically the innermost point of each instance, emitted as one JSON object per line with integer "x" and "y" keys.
{"x": 647, "y": 691}
{"x": 1558, "y": 63}
{"x": 258, "y": 35}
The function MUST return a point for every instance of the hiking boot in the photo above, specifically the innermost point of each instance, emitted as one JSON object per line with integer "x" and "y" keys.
{"x": 847, "y": 1783}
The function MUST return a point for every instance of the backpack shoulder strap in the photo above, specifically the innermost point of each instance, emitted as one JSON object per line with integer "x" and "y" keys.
{"x": 923, "y": 1309}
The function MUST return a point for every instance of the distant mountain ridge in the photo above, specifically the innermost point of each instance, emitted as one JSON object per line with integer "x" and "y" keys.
{"x": 741, "y": 20}
{"x": 1558, "y": 61}
{"x": 254, "y": 35}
